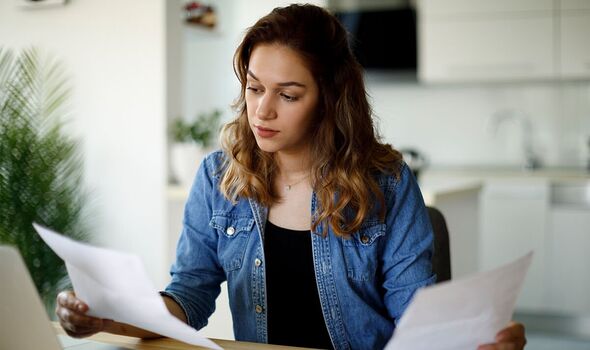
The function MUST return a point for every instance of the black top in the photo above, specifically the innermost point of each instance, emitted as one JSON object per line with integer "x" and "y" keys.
{"x": 293, "y": 305}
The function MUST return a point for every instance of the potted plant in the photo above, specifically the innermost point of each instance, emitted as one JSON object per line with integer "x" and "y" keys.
{"x": 40, "y": 167}
{"x": 192, "y": 140}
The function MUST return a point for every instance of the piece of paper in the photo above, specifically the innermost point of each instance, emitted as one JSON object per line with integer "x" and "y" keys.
{"x": 461, "y": 314}
{"x": 116, "y": 286}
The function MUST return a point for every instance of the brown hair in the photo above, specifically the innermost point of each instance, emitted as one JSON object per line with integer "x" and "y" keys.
{"x": 349, "y": 154}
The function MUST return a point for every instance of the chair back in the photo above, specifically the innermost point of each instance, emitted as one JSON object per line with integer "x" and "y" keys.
{"x": 441, "y": 259}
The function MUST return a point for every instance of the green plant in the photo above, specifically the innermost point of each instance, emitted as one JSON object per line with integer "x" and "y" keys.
{"x": 202, "y": 130}
{"x": 40, "y": 167}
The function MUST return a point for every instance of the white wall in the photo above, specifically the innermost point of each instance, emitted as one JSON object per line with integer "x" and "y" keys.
{"x": 451, "y": 123}
{"x": 114, "y": 52}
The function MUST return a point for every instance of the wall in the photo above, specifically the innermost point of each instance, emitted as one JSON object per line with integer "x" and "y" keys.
{"x": 451, "y": 123}
{"x": 208, "y": 80}
{"x": 114, "y": 52}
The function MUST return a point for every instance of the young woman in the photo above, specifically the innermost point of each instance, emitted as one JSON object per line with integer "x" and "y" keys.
{"x": 319, "y": 228}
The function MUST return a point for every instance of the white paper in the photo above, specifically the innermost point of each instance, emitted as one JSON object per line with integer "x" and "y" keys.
{"x": 116, "y": 286}
{"x": 461, "y": 314}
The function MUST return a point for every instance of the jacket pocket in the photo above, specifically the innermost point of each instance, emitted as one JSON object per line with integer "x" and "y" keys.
{"x": 361, "y": 252}
{"x": 233, "y": 232}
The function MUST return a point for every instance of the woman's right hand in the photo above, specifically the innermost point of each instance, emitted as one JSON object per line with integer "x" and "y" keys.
{"x": 71, "y": 313}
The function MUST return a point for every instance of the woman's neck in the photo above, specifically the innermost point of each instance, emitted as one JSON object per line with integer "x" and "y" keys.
{"x": 293, "y": 166}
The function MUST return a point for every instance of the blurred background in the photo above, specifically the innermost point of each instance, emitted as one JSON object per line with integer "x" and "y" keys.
{"x": 488, "y": 100}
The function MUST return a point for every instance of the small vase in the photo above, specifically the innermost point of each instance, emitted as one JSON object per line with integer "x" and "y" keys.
{"x": 185, "y": 161}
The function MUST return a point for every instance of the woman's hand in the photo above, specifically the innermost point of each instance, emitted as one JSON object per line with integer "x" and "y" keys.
{"x": 510, "y": 338}
{"x": 71, "y": 313}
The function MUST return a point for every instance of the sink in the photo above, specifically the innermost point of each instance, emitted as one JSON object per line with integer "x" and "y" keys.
{"x": 576, "y": 193}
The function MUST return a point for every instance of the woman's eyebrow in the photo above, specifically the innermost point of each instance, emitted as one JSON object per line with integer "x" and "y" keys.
{"x": 284, "y": 84}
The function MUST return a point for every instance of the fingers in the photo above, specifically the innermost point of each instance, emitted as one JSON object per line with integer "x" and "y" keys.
{"x": 513, "y": 331}
{"x": 71, "y": 313}
{"x": 510, "y": 338}
{"x": 68, "y": 300}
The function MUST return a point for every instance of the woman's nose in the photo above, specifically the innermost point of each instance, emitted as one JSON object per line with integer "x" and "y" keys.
{"x": 265, "y": 109}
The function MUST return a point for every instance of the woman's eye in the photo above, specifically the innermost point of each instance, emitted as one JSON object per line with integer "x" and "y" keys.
{"x": 289, "y": 98}
{"x": 253, "y": 89}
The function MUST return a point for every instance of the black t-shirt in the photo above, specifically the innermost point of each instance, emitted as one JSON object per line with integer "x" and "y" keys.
{"x": 293, "y": 305}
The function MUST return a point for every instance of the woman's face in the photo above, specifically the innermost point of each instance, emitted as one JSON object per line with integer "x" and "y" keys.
{"x": 281, "y": 99}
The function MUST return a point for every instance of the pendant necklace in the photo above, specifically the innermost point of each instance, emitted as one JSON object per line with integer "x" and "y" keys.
{"x": 289, "y": 186}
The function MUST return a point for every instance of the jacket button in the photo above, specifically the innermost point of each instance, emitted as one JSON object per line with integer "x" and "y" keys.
{"x": 257, "y": 262}
{"x": 365, "y": 239}
{"x": 258, "y": 309}
{"x": 230, "y": 231}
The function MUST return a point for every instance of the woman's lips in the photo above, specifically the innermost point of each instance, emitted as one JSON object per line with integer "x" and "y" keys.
{"x": 265, "y": 132}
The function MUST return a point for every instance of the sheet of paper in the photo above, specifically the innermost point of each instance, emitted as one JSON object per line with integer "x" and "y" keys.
{"x": 461, "y": 314}
{"x": 115, "y": 285}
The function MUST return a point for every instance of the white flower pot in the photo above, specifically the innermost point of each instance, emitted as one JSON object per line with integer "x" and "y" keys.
{"x": 185, "y": 161}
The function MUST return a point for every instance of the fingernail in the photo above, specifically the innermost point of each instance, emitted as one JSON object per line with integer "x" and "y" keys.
{"x": 79, "y": 307}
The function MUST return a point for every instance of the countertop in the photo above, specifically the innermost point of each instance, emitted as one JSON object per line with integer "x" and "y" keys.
{"x": 436, "y": 183}
{"x": 488, "y": 172}
{"x": 433, "y": 190}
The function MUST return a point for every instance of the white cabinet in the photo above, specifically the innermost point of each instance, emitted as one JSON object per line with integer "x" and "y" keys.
{"x": 485, "y": 40}
{"x": 513, "y": 222}
{"x": 574, "y": 34}
{"x": 569, "y": 259}
{"x": 568, "y": 245}
{"x": 545, "y": 211}
{"x": 482, "y": 40}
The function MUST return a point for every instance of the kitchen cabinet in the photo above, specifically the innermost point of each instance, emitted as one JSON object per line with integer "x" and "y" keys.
{"x": 569, "y": 244}
{"x": 569, "y": 258}
{"x": 546, "y": 210}
{"x": 476, "y": 40}
{"x": 486, "y": 41}
{"x": 574, "y": 31}
{"x": 513, "y": 221}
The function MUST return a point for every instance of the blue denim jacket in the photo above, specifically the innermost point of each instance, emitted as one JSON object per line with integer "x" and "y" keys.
{"x": 364, "y": 283}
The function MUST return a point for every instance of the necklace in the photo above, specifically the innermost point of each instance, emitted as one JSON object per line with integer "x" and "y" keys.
{"x": 289, "y": 186}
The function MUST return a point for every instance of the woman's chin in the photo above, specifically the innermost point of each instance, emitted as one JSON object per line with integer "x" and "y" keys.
{"x": 266, "y": 147}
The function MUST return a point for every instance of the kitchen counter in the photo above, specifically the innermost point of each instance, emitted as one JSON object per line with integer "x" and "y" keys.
{"x": 490, "y": 172}
{"x": 434, "y": 190}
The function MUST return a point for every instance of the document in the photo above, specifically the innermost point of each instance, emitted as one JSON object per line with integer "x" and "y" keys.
{"x": 116, "y": 286}
{"x": 461, "y": 314}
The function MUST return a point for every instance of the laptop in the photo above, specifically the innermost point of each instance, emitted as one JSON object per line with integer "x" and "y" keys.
{"x": 24, "y": 324}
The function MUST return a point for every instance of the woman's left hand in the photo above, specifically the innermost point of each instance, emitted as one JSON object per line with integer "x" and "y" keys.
{"x": 510, "y": 338}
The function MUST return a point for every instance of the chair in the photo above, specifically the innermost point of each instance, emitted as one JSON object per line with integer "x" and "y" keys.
{"x": 441, "y": 259}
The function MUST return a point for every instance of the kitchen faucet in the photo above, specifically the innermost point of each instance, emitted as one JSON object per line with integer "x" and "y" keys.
{"x": 531, "y": 160}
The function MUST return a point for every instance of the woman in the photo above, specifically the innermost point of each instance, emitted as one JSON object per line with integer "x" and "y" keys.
{"x": 319, "y": 229}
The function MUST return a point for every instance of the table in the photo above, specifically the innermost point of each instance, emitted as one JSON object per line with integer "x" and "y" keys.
{"x": 171, "y": 344}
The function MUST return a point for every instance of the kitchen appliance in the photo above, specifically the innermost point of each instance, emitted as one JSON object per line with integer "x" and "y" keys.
{"x": 416, "y": 160}
{"x": 383, "y": 39}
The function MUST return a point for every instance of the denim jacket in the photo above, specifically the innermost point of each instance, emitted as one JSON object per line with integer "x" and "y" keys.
{"x": 364, "y": 282}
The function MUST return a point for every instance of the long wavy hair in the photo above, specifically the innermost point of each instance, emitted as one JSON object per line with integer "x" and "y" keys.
{"x": 345, "y": 151}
